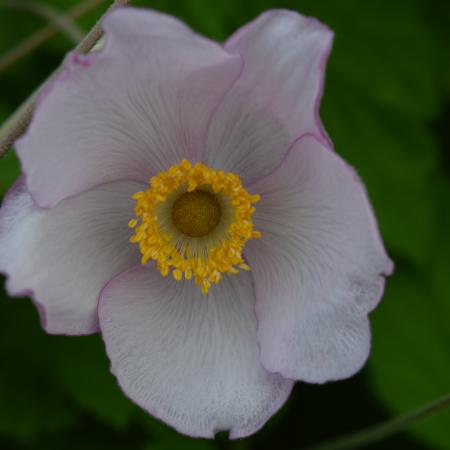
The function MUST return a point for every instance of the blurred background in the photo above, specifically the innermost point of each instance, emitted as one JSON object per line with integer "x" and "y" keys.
{"x": 387, "y": 108}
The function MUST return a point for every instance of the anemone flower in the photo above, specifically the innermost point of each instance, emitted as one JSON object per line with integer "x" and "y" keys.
{"x": 182, "y": 197}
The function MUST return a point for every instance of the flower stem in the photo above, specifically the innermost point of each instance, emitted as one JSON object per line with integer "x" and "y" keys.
{"x": 16, "y": 125}
{"x": 96, "y": 32}
{"x": 62, "y": 22}
{"x": 44, "y": 34}
{"x": 377, "y": 433}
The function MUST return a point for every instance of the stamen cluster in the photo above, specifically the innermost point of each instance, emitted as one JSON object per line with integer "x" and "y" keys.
{"x": 159, "y": 243}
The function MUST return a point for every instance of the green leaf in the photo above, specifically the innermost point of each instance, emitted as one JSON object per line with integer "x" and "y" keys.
{"x": 166, "y": 438}
{"x": 396, "y": 159}
{"x": 75, "y": 366}
{"x": 9, "y": 171}
{"x": 384, "y": 49}
{"x": 80, "y": 367}
{"x": 30, "y": 403}
{"x": 410, "y": 362}
{"x": 15, "y": 25}
{"x": 29, "y": 407}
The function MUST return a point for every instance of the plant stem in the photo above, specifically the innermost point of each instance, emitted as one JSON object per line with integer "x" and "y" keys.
{"x": 62, "y": 22}
{"x": 19, "y": 121}
{"x": 44, "y": 34}
{"x": 377, "y": 433}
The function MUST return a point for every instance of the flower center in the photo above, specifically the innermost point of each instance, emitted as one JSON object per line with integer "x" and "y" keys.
{"x": 196, "y": 213}
{"x": 195, "y": 222}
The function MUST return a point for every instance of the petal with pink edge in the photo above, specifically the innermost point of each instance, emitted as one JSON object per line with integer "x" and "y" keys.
{"x": 318, "y": 269}
{"x": 134, "y": 108}
{"x": 63, "y": 257}
{"x": 277, "y": 97}
{"x": 191, "y": 361}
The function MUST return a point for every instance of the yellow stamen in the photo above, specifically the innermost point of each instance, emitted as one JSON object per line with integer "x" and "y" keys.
{"x": 195, "y": 221}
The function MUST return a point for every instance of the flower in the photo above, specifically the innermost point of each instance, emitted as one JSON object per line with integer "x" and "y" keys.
{"x": 182, "y": 198}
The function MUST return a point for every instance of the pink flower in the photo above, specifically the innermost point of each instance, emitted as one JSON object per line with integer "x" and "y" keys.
{"x": 250, "y": 260}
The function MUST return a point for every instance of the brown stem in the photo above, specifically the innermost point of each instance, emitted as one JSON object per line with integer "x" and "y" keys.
{"x": 377, "y": 433}
{"x": 19, "y": 121}
{"x": 44, "y": 34}
{"x": 62, "y": 22}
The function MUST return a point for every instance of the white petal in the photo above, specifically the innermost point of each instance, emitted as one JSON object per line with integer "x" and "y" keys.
{"x": 319, "y": 267}
{"x": 124, "y": 113}
{"x": 277, "y": 97}
{"x": 245, "y": 138}
{"x": 190, "y": 360}
{"x": 64, "y": 256}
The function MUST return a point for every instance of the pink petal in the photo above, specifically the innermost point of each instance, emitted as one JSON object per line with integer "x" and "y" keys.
{"x": 192, "y": 361}
{"x": 64, "y": 256}
{"x": 319, "y": 268}
{"x": 276, "y": 99}
{"x": 135, "y": 108}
